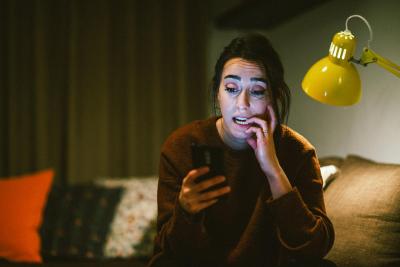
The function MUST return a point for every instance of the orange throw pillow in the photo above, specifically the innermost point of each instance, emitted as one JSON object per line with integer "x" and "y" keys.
{"x": 22, "y": 200}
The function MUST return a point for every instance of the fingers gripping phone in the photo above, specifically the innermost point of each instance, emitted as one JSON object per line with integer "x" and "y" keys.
{"x": 212, "y": 157}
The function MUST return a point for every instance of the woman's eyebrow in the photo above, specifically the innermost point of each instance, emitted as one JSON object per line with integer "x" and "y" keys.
{"x": 254, "y": 79}
{"x": 236, "y": 77}
{"x": 258, "y": 80}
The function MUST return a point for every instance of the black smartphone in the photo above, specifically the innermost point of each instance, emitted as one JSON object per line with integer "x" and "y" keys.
{"x": 212, "y": 157}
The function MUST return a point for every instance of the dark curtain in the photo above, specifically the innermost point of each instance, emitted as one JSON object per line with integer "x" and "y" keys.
{"x": 93, "y": 88}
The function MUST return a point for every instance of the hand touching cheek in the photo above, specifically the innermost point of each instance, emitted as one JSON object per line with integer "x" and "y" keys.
{"x": 262, "y": 141}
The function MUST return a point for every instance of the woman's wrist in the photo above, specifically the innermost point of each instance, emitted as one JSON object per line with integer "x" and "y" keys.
{"x": 274, "y": 170}
{"x": 278, "y": 182}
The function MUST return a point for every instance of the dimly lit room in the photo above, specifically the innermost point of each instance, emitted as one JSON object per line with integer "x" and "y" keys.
{"x": 95, "y": 96}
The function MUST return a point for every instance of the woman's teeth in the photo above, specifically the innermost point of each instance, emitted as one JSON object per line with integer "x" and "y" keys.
{"x": 241, "y": 121}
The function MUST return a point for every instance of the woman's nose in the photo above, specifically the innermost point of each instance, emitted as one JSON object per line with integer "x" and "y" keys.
{"x": 243, "y": 100}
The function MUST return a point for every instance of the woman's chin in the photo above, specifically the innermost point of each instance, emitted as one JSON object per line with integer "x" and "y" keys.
{"x": 237, "y": 133}
{"x": 242, "y": 136}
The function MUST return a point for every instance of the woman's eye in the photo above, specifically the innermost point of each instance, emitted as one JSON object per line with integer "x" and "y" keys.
{"x": 231, "y": 90}
{"x": 258, "y": 92}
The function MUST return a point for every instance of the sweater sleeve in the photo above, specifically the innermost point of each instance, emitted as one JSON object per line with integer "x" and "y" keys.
{"x": 180, "y": 235}
{"x": 303, "y": 228}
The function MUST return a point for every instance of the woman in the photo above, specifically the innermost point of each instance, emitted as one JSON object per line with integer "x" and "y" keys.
{"x": 273, "y": 210}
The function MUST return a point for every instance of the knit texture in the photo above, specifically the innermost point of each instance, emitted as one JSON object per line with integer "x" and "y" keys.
{"x": 248, "y": 228}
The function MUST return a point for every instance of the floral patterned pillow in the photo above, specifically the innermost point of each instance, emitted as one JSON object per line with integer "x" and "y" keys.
{"x": 133, "y": 228}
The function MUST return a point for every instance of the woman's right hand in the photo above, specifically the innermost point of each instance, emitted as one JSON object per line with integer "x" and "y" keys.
{"x": 192, "y": 197}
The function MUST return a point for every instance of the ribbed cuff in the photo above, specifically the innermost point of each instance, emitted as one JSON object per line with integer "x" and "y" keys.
{"x": 288, "y": 205}
{"x": 292, "y": 217}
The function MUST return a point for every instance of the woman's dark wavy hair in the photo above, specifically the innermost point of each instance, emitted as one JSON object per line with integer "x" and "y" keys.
{"x": 258, "y": 49}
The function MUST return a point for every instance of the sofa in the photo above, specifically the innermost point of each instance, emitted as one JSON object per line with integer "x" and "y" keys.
{"x": 110, "y": 222}
{"x": 362, "y": 199}
{"x": 363, "y": 202}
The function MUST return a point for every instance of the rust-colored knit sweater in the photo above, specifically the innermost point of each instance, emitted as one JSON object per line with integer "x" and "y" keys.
{"x": 249, "y": 228}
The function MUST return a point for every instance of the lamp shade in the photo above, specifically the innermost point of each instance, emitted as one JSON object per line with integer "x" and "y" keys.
{"x": 334, "y": 80}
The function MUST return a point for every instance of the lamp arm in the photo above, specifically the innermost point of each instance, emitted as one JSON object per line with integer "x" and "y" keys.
{"x": 368, "y": 56}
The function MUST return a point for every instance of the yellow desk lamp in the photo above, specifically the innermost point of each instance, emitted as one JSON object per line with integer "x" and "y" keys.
{"x": 334, "y": 80}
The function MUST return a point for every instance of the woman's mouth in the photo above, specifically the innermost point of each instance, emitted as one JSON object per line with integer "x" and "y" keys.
{"x": 240, "y": 120}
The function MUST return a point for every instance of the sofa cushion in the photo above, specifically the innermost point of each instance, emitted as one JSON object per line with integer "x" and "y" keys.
{"x": 77, "y": 221}
{"x": 363, "y": 204}
{"x": 22, "y": 200}
{"x": 134, "y": 226}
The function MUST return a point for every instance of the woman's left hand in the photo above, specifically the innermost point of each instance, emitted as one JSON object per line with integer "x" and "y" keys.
{"x": 262, "y": 141}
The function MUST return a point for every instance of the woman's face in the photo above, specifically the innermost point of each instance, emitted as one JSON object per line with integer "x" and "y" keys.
{"x": 243, "y": 93}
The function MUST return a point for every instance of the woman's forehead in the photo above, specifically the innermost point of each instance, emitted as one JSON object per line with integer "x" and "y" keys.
{"x": 240, "y": 66}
